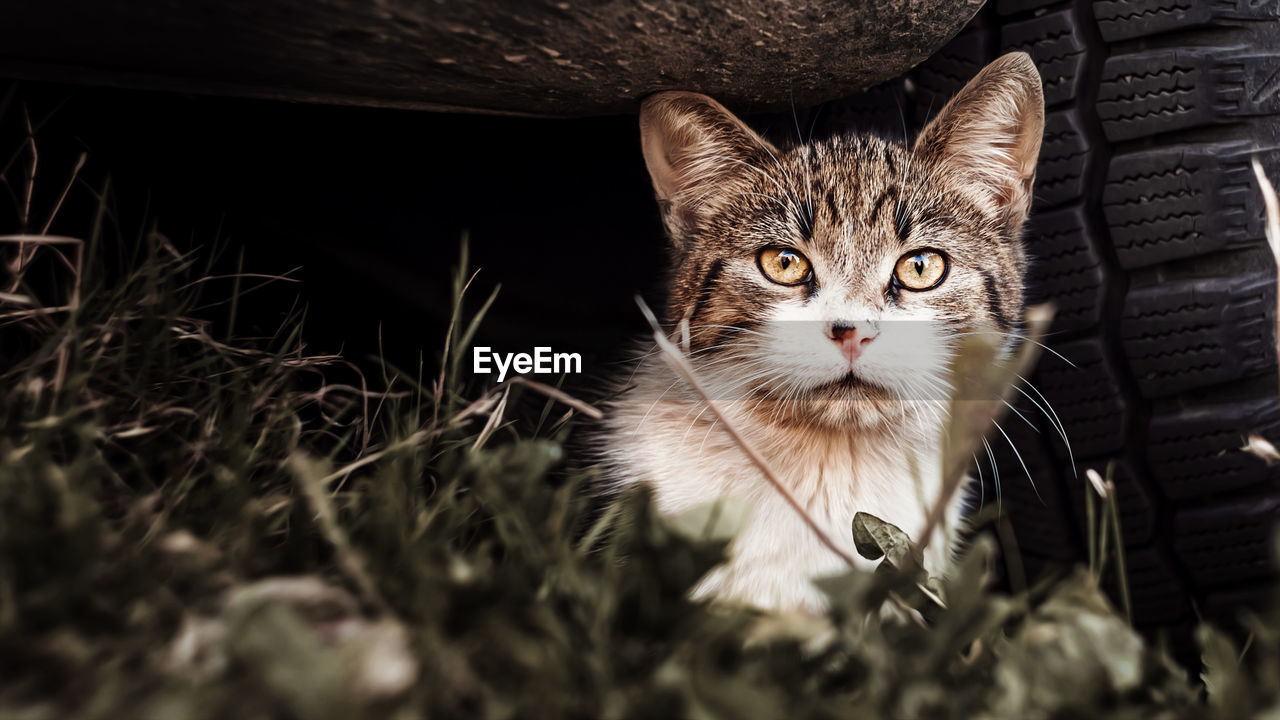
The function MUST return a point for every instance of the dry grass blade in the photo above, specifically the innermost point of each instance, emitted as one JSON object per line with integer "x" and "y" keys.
{"x": 560, "y": 396}
{"x": 1272, "y": 203}
{"x": 1117, "y": 534}
{"x": 678, "y": 362}
{"x": 66, "y": 189}
{"x": 33, "y": 165}
{"x": 41, "y": 239}
{"x": 493, "y": 422}
{"x": 16, "y": 299}
{"x": 415, "y": 439}
{"x": 307, "y": 474}
{"x": 1262, "y": 448}
{"x": 1099, "y": 485}
{"x": 28, "y": 246}
{"x": 984, "y": 386}
{"x": 1105, "y": 533}
{"x": 240, "y": 275}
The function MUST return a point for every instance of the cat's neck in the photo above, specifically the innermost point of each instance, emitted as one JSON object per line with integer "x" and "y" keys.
{"x": 663, "y": 435}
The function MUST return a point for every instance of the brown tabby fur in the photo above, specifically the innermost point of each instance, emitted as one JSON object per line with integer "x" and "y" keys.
{"x": 847, "y": 439}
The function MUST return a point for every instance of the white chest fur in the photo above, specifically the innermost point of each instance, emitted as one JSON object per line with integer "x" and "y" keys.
{"x": 662, "y": 435}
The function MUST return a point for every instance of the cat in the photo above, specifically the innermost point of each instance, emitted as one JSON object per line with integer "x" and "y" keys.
{"x": 820, "y": 291}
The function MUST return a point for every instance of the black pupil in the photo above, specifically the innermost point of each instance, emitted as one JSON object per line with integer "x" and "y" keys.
{"x": 919, "y": 265}
{"x": 784, "y": 259}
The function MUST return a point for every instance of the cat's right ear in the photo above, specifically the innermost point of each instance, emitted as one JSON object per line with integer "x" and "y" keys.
{"x": 695, "y": 150}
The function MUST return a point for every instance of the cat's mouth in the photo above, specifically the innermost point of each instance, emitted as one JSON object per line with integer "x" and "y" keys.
{"x": 852, "y": 382}
{"x": 849, "y": 393}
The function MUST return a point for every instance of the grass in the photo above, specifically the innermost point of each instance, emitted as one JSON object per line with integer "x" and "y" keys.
{"x": 199, "y": 524}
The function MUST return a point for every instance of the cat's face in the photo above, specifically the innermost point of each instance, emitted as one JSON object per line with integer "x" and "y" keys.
{"x": 829, "y": 284}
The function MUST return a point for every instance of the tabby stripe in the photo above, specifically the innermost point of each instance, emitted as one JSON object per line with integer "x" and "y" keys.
{"x": 902, "y": 223}
{"x": 832, "y": 209}
{"x": 805, "y": 223}
{"x": 993, "y": 300}
{"x": 704, "y": 290}
{"x": 884, "y": 198}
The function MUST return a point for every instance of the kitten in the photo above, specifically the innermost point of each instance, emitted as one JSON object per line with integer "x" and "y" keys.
{"x": 825, "y": 288}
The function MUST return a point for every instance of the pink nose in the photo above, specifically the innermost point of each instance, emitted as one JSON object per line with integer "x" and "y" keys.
{"x": 852, "y": 338}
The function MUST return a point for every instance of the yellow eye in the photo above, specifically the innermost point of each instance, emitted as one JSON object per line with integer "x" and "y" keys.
{"x": 921, "y": 270}
{"x": 785, "y": 267}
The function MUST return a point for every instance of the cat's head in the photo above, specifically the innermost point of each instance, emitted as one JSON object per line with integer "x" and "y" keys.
{"x": 828, "y": 284}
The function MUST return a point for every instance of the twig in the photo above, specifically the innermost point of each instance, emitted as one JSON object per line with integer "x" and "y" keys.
{"x": 66, "y": 189}
{"x": 560, "y": 396}
{"x": 680, "y": 364}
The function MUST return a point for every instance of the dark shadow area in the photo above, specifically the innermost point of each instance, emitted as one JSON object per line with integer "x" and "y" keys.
{"x": 370, "y": 206}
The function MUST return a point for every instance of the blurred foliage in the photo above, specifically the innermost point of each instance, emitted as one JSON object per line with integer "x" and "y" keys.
{"x": 200, "y": 525}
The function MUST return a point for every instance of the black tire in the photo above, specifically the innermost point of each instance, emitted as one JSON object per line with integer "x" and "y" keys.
{"x": 1148, "y": 236}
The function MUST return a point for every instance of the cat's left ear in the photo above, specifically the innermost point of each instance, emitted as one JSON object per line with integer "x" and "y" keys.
{"x": 697, "y": 153}
{"x": 989, "y": 134}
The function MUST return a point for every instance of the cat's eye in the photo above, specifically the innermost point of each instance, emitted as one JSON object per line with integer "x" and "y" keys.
{"x": 921, "y": 270}
{"x": 784, "y": 266}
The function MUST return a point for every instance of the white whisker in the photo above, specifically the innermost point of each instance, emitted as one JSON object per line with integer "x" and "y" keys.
{"x": 1018, "y": 455}
{"x": 1057, "y": 424}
